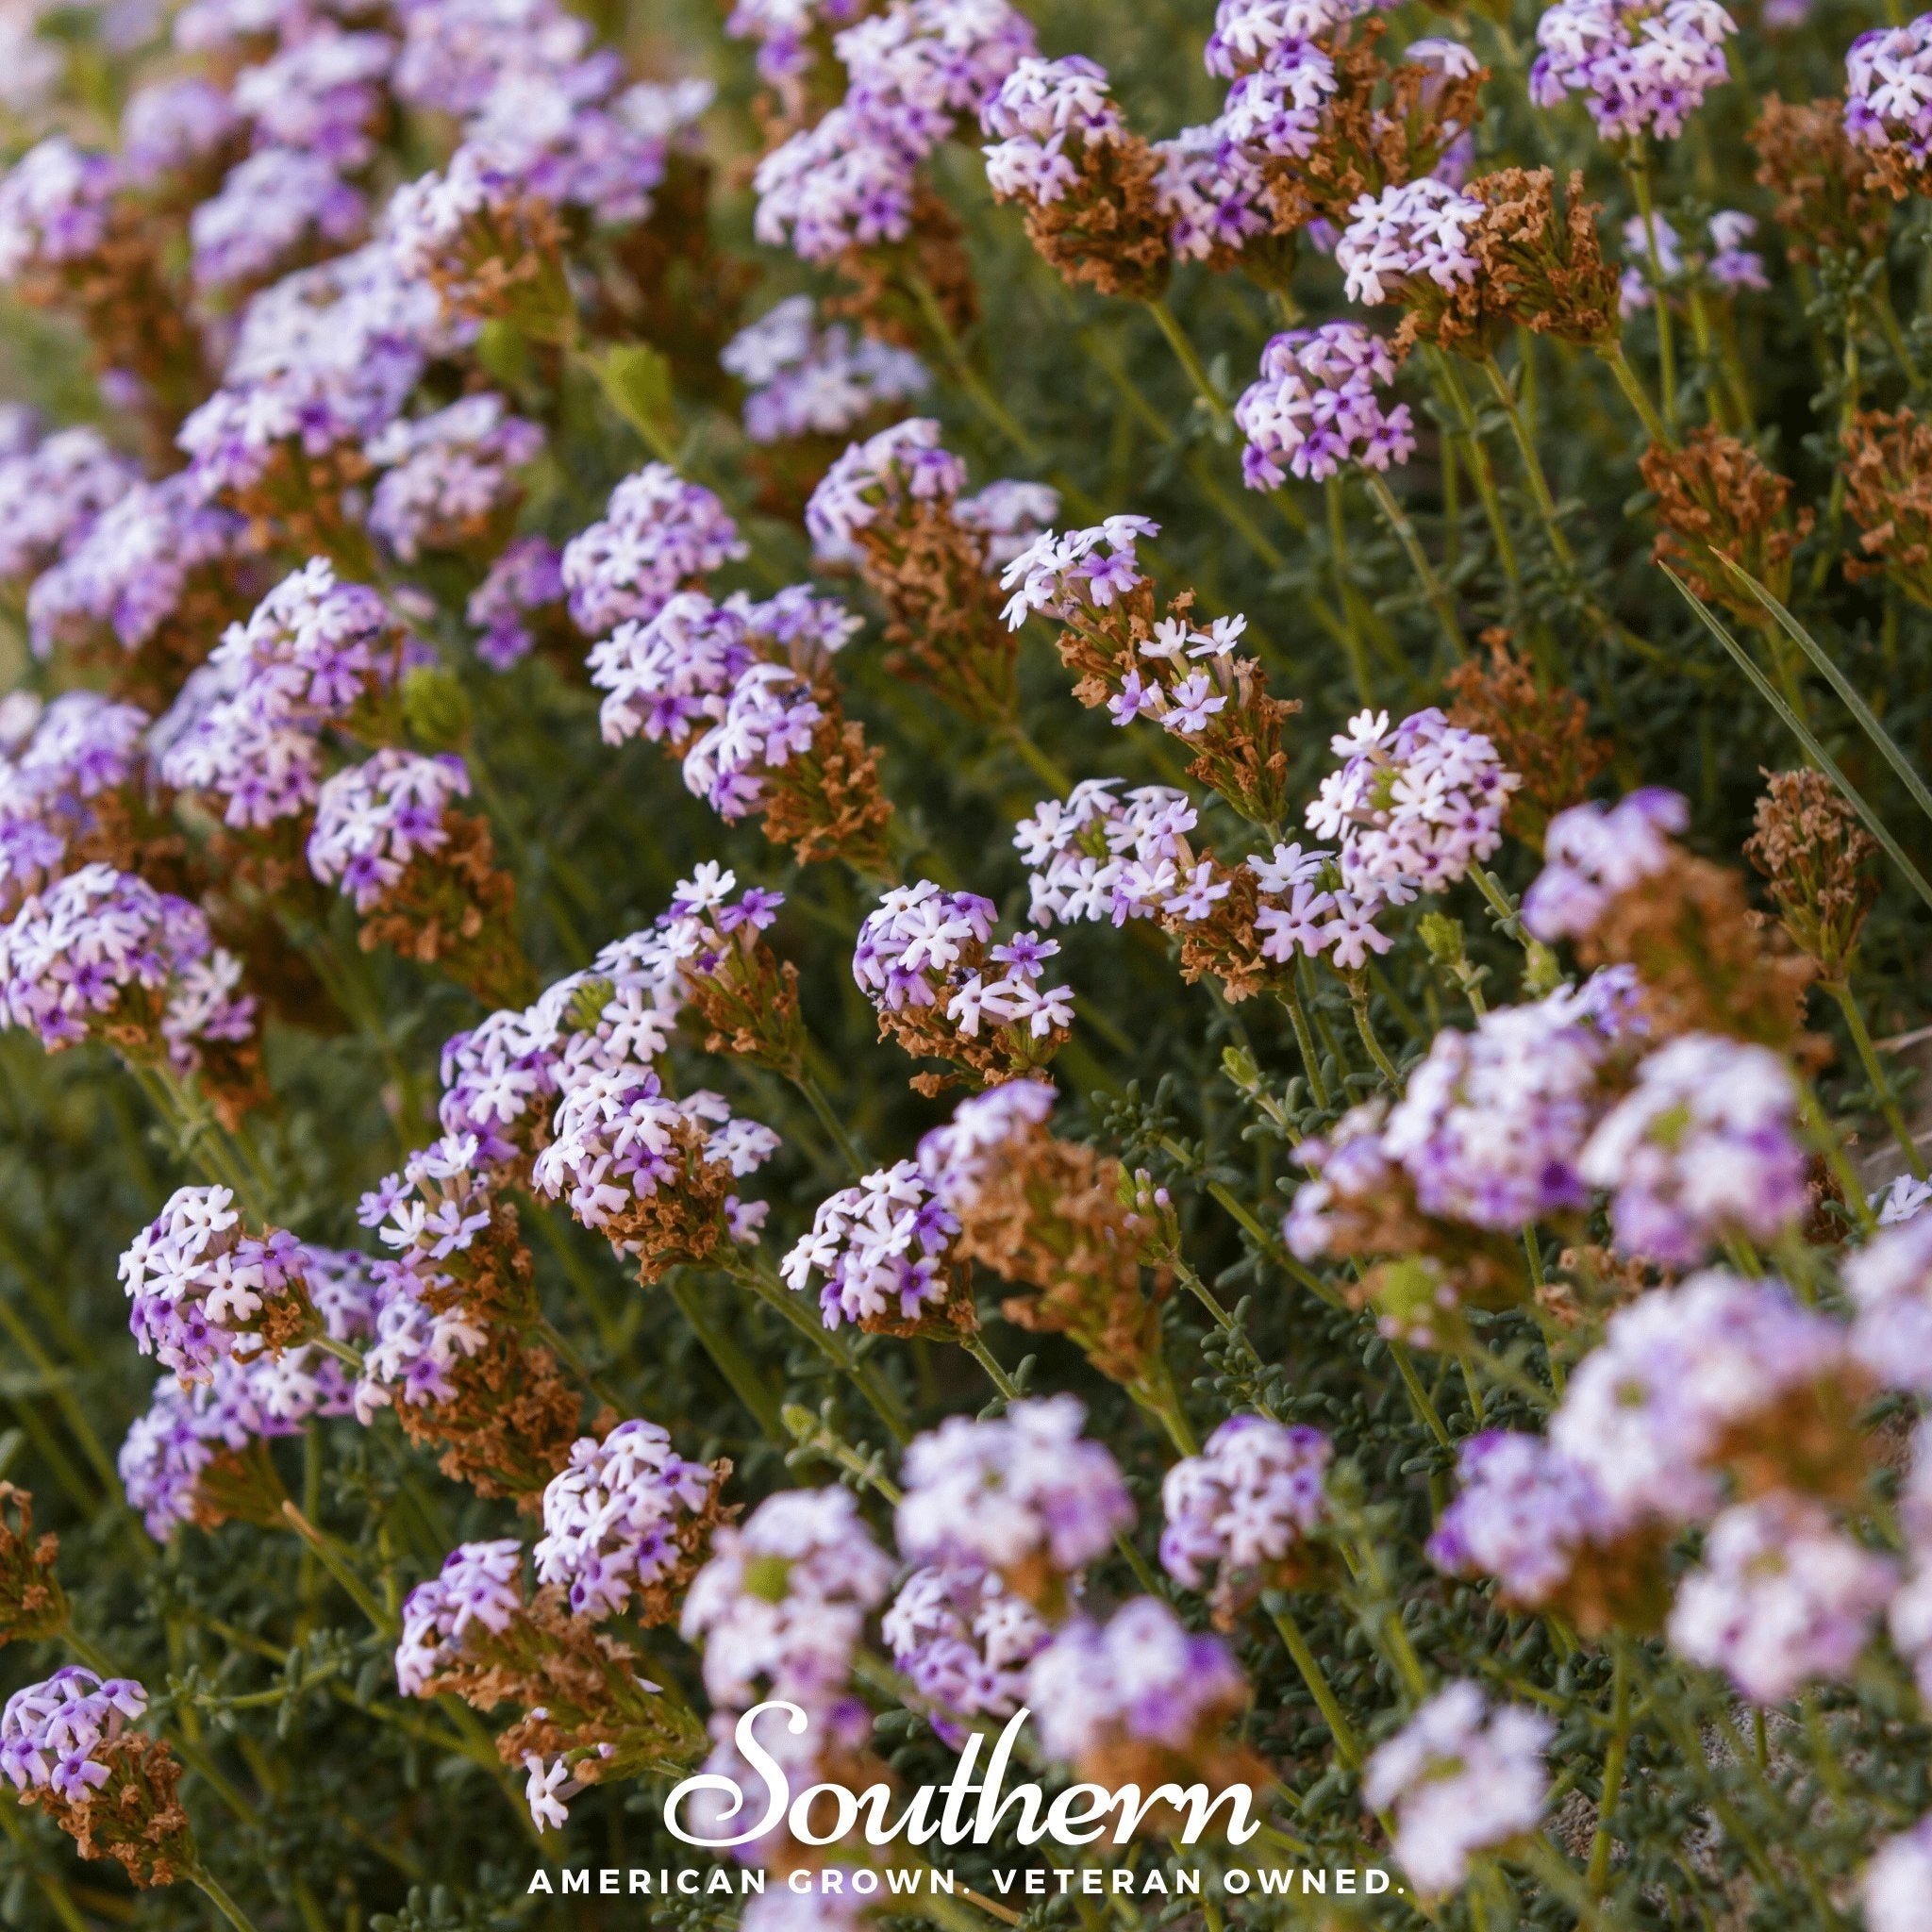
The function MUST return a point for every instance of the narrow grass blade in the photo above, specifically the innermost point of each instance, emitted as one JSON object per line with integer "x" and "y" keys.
{"x": 1828, "y": 669}
{"x": 1802, "y": 732}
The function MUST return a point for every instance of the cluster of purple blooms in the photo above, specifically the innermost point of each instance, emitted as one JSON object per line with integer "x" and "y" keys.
{"x": 1413, "y": 809}
{"x": 1461, "y": 1777}
{"x": 481, "y": 1586}
{"x": 882, "y": 1248}
{"x": 610, "y": 1518}
{"x": 1244, "y": 1502}
{"x": 1315, "y": 406}
{"x": 526, "y": 579}
{"x": 914, "y": 74}
{"x": 1889, "y": 89}
{"x": 50, "y": 493}
{"x": 56, "y": 205}
{"x": 78, "y": 748}
{"x": 72, "y": 954}
{"x": 1730, "y": 265}
{"x": 1592, "y": 855}
{"x": 912, "y": 953}
{"x": 374, "y": 820}
{"x": 964, "y": 1640}
{"x": 1093, "y": 567}
{"x": 198, "y": 1283}
{"x": 51, "y": 1733}
{"x": 248, "y": 727}
{"x": 806, "y": 379}
{"x": 1408, "y": 236}
{"x": 1639, "y": 68}
{"x": 446, "y": 475}
{"x": 658, "y": 535}
{"x": 1097, "y": 855}
{"x": 1041, "y": 108}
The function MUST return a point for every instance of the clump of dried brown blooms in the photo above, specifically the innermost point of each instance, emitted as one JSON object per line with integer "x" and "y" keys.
{"x": 1716, "y": 495}
{"x": 1887, "y": 473}
{"x": 1830, "y": 201}
{"x": 1816, "y": 859}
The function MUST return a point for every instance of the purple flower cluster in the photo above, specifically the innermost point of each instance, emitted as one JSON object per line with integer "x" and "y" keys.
{"x": 611, "y": 1519}
{"x": 124, "y": 575}
{"x": 1315, "y": 407}
{"x": 1249, "y": 33}
{"x": 1244, "y": 1502}
{"x": 1782, "y": 1596}
{"x": 447, "y": 475}
{"x": 1524, "y": 1512}
{"x": 1013, "y": 1496}
{"x": 480, "y": 1585}
{"x": 78, "y": 748}
{"x": 1040, "y": 106}
{"x": 1728, "y": 267}
{"x": 310, "y": 653}
{"x": 1413, "y": 808}
{"x": 658, "y": 535}
{"x": 904, "y": 465}
{"x": 957, "y": 1157}
{"x": 1142, "y": 1677}
{"x": 1092, "y": 567}
{"x": 1096, "y": 856}
{"x": 51, "y": 1733}
{"x": 1211, "y": 189}
{"x": 200, "y": 1284}
{"x": 1493, "y": 1126}
{"x": 920, "y": 948}
{"x": 618, "y": 1139}
{"x": 1415, "y": 233}
{"x": 964, "y": 1639}
{"x": 1889, "y": 1281}
{"x": 1590, "y": 855}
{"x": 782, "y": 28}
{"x": 1639, "y": 68}
{"x": 1647, "y": 1411}
{"x": 272, "y": 204}
{"x": 804, "y": 379}
{"x": 881, "y": 1247}
{"x": 56, "y": 203}
{"x": 81, "y": 950}
{"x": 781, "y": 1606}
{"x": 1889, "y": 89}
{"x": 373, "y": 820}
{"x": 171, "y": 126}
{"x": 1892, "y": 1888}
{"x": 525, "y": 579}
{"x": 914, "y": 74}
{"x": 768, "y": 720}
{"x": 1460, "y": 1777}
{"x": 1704, "y": 1147}
{"x": 51, "y": 491}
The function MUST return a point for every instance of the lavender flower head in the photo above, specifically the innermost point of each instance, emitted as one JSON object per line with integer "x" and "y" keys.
{"x": 479, "y": 1586}
{"x": 1894, "y": 1887}
{"x": 321, "y": 94}
{"x": 1460, "y": 1777}
{"x": 1244, "y": 1506}
{"x": 1492, "y": 1125}
{"x": 1314, "y": 407}
{"x": 807, "y": 380}
{"x": 201, "y": 1286}
{"x": 1039, "y": 106}
{"x": 375, "y": 819}
{"x": 658, "y": 535}
{"x": 922, "y": 66}
{"x": 904, "y": 465}
{"x": 957, "y": 1157}
{"x": 456, "y": 51}
{"x": 1211, "y": 189}
{"x": 881, "y": 1247}
{"x": 1705, "y": 1146}
{"x": 1889, "y": 1281}
{"x": 769, "y": 718}
{"x": 102, "y": 942}
{"x": 1096, "y": 855}
{"x": 671, "y": 675}
{"x": 127, "y": 572}
{"x": 1783, "y": 1597}
{"x": 1889, "y": 89}
{"x": 964, "y": 1640}
{"x": 447, "y": 475}
{"x": 1024, "y": 1496}
{"x": 781, "y": 29}
{"x": 171, "y": 126}
{"x": 1140, "y": 1678}
{"x": 780, "y": 1607}
{"x": 49, "y": 494}
{"x": 1092, "y": 567}
{"x": 52, "y": 1733}
{"x": 527, "y": 579}
{"x": 278, "y": 201}
{"x": 1640, "y": 69}
{"x": 1590, "y": 855}
{"x": 56, "y": 203}
{"x": 612, "y": 1519}
{"x": 1247, "y": 33}
{"x": 1524, "y": 1512}
{"x": 1413, "y": 809}
{"x": 844, "y": 183}
{"x": 1679, "y": 1370}
{"x": 1413, "y": 233}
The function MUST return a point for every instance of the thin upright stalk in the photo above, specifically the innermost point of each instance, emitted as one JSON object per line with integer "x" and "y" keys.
{"x": 1639, "y": 170}
{"x": 1532, "y": 462}
{"x": 1449, "y": 381}
{"x": 1351, "y": 603}
{"x": 1868, "y": 1056}
{"x": 1318, "y": 1087}
{"x": 206, "y": 1881}
{"x": 1611, "y": 354}
{"x": 1433, "y": 587}
{"x": 1358, "y": 1000}
{"x": 1186, "y": 354}
{"x": 1347, "y": 1745}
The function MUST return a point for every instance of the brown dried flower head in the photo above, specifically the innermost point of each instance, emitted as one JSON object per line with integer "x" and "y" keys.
{"x": 1887, "y": 473}
{"x": 1540, "y": 732}
{"x": 136, "y": 1818}
{"x": 1716, "y": 495}
{"x": 1830, "y": 198}
{"x": 1109, "y": 228}
{"x": 1816, "y": 859}
{"x": 32, "y": 1604}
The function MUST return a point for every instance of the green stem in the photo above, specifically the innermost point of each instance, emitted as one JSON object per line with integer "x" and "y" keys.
{"x": 1639, "y": 172}
{"x": 1351, "y": 603}
{"x": 1038, "y": 760}
{"x": 1425, "y": 1407}
{"x": 334, "y": 1558}
{"x": 1433, "y": 587}
{"x": 989, "y": 405}
{"x": 1611, "y": 354}
{"x": 1450, "y": 382}
{"x": 864, "y": 1377}
{"x": 1189, "y": 360}
{"x": 1358, "y": 1000}
{"x": 1318, "y": 1087}
{"x": 1868, "y": 1055}
{"x": 1532, "y": 462}
{"x": 1347, "y": 1745}
{"x": 727, "y": 1358}
{"x": 807, "y": 1083}
{"x": 1599, "y": 1870}
{"x": 209, "y": 1883}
